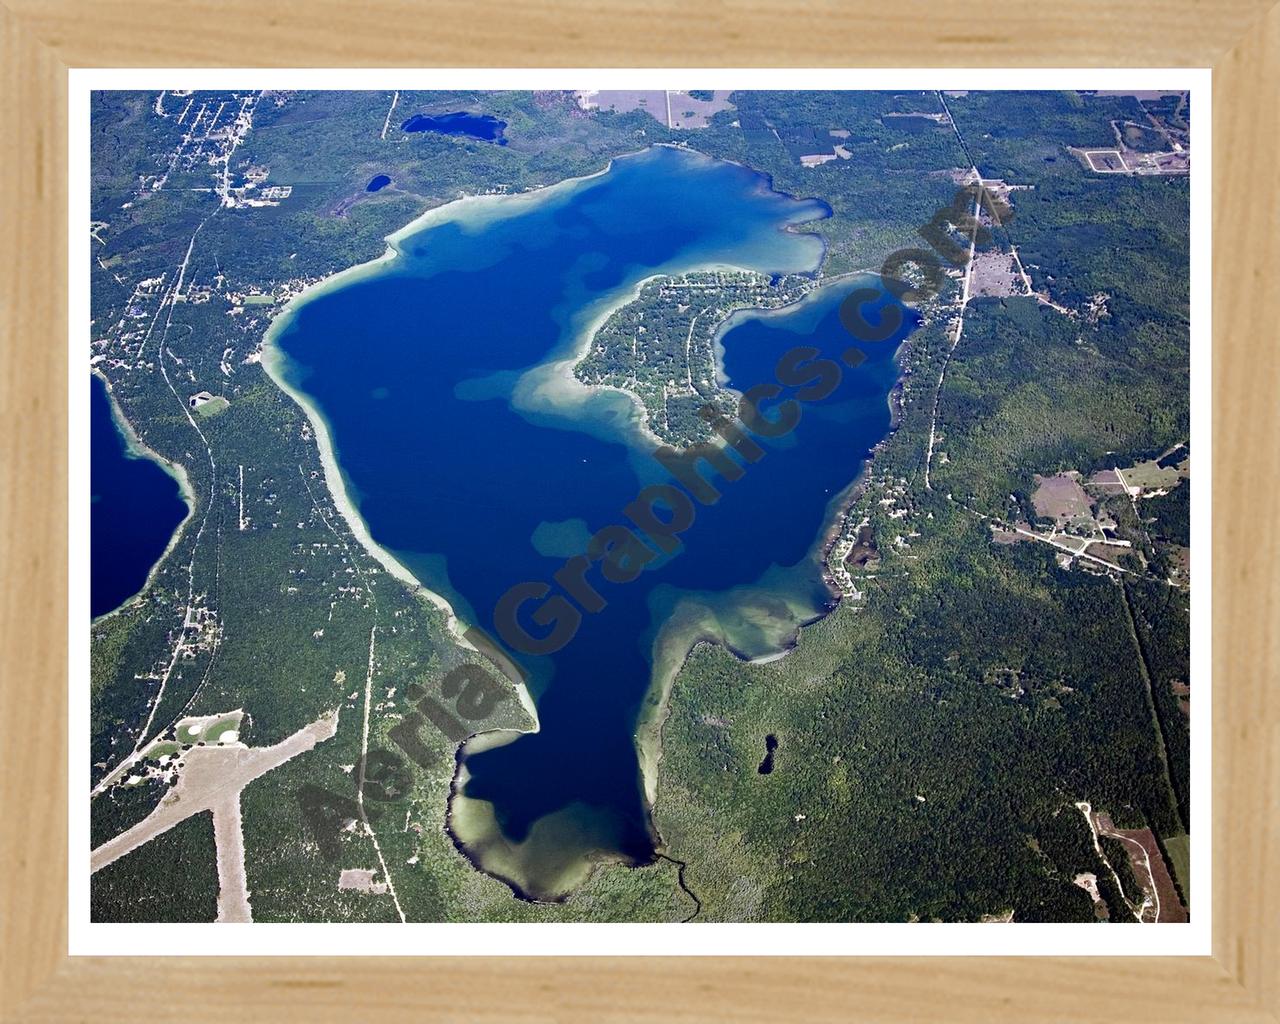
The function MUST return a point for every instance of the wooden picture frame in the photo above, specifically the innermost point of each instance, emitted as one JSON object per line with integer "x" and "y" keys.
{"x": 41, "y": 39}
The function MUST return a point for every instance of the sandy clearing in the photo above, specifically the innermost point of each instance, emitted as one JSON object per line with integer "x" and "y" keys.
{"x": 212, "y": 776}
{"x": 1148, "y": 864}
{"x": 1061, "y": 498}
{"x": 228, "y": 836}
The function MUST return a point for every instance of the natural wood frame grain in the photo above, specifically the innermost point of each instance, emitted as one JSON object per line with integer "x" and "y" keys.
{"x": 40, "y": 39}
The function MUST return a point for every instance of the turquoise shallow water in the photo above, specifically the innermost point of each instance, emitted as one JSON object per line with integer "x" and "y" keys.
{"x": 428, "y": 371}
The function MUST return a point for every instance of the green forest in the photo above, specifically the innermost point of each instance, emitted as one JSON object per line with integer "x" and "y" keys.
{"x": 934, "y": 733}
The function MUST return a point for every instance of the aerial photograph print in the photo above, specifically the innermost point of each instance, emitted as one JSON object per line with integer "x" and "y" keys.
{"x": 670, "y": 506}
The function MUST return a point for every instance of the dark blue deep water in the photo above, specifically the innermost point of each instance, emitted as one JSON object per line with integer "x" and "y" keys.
{"x": 378, "y": 181}
{"x": 136, "y": 508}
{"x": 456, "y": 446}
{"x": 476, "y": 126}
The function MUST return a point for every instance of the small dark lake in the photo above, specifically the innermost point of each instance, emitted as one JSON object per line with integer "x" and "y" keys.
{"x": 770, "y": 745}
{"x": 476, "y": 126}
{"x": 378, "y": 181}
{"x": 136, "y": 506}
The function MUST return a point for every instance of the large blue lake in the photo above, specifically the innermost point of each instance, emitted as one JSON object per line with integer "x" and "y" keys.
{"x": 136, "y": 506}
{"x": 464, "y": 444}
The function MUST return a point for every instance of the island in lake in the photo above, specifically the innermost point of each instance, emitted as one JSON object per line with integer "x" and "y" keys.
{"x": 576, "y": 507}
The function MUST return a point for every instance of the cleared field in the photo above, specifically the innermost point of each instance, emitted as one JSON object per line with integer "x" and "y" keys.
{"x": 213, "y": 776}
{"x": 1112, "y": 553}
{"x": 1106, "y": 161}
{"x": 1179, "y": 848}
{"x": 223, "y": 728}
{"x": 1149, "y": 868}
{"x": 674, "y": 108}
{"x": 690, "y": 112}
{"x": 993, "y": 275}
{"x": 654, "y": 101}
{"x": 1106, "y": 479}
{"x": 1061, "y": 498}
{"x": 1150, "y": 475}
{"x": 212, "y": 407}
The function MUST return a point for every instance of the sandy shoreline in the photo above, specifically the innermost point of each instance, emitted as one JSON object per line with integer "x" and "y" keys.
{"x": 545, "y": 384}
{"x": 553, "y": 387}
{"x": 555, "y": 384}
{"x": 359, "y": 528}
{"x": 557, "y": 380}
{"x": 467, "y": 208}
{"x": 655, "y": 708}
{"x": 138, "y": 447}
{"x": 667, "y": 665}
